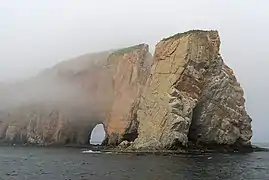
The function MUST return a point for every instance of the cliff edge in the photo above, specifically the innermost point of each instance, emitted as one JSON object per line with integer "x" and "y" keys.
{"x": 191, "y": 96}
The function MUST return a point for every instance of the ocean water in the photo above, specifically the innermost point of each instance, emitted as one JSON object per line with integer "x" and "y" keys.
{"x": 31, "y": 163}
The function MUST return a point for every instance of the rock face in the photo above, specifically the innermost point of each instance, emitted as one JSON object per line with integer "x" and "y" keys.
{"x": 56, "y": 106}
{"x": 186, "y": 96}
{"x": 63, "y": 104}
{"x": 129, "y": 69}
{"x": 191, "y": 96}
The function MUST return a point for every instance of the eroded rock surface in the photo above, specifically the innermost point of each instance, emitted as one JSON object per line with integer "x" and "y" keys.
{"x": 129, "y": 69}
{"x": 63, "y": 104}
{"x": 191, "y": 95}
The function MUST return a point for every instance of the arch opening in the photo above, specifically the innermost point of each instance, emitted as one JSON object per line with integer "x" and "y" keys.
{"x": 97, "y": 135}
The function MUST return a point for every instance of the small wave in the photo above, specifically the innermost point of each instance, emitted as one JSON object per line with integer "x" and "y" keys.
{"x": 91, "y": 151}
{"x": 108, "y": 152}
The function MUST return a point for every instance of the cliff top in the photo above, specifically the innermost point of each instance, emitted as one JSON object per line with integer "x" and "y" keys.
{"x": 195, "y": 31}
{"x": 129, "y": 49}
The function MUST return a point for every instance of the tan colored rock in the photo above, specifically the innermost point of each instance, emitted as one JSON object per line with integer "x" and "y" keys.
{"x": 191, "y": 95}
{"x": 130, "y": 73}
{"x": 188, "y": 94}
{"x": 124, "y": 144}
{"x": 63, "y": 104}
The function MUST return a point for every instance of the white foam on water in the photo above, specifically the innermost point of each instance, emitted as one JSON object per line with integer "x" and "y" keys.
{"x": 91, "y": 151}
{"x": 108, "y": 152}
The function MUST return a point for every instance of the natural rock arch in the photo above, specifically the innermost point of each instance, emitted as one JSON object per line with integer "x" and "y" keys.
{"x": 95, "y": 135}
{"x": 79, "y": 132}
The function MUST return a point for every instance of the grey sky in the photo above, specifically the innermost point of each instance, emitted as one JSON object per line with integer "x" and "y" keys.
{"x": 38, "y": 34}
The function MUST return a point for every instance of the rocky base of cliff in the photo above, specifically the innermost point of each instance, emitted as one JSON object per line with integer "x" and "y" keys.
{"x": 189, "y": 150}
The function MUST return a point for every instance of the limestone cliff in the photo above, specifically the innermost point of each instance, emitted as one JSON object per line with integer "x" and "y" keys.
{"x": 129, "y": 69}
{"x": 191, "y": 96}
{"x": 56, "y": 106}
{"x": 63, "y": 104}
{"x": 184, "y": 96}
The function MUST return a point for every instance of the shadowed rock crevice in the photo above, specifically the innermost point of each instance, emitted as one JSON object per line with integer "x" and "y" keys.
{"x": 194, "y": 134}
{"x": 131, "y": 132}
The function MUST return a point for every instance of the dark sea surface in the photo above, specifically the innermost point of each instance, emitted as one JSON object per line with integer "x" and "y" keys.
{"x": 69, "y": 163}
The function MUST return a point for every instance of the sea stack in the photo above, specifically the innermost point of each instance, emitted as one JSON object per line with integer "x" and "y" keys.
{"x": 192, "y": 96}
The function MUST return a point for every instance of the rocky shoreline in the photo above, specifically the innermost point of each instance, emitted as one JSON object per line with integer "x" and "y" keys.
{"x": 118, "y": 150}
{"x": 188, "y": 151}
